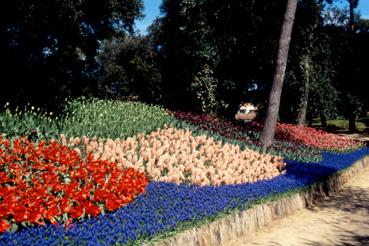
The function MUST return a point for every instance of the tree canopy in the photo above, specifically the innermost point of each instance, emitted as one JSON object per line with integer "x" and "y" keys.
{"x": 200, "y": 55}
{"x": 50, "y": 46}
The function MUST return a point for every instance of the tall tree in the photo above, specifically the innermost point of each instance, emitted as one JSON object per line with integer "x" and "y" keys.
{"x": 129, "y": 69}
{"x": 268, "y": 132}
{"x": 221, "y": 48}
{"x": 310, "y": 36}
{"x": 53, "y": 44}
{"x": 352, "y": 114}
{"x": 306, "y": 67}
{"x": 352, "y": 5}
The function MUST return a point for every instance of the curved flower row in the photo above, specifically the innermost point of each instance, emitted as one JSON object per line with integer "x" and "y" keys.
{"x": 248, "y": 135}
{"x": 316, "y": 138}
{"x": 166, "y": 206}
{"x": 216, "y": 125}
{"x": 175, "y": 155}
{"x": 50, "y": 183}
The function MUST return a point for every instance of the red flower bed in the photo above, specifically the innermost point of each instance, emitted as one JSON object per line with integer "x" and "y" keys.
{"x": 316, "y": 138}
{"x": 215, "y": 125}
{"x": 50, "y": 183}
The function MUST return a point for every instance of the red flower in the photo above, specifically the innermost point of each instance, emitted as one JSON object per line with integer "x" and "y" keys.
{"x": 65, "y": 205}
{"x": 112, "y": 203}
{"x": 4, "y": 225}
{"x": 316, "y": 138}
{"x": 48, "y": 180}
{"x": 91, "y": 208}
{"x": 51, "y": 213}
{"x": 21, "y": 215}
{"x": 36, "y": 216}
{"x": 3, "y": 212}
{"x": 76, "y": 212}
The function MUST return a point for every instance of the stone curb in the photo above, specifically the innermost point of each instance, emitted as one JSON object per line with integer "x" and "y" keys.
{"x": 241, "y": 223}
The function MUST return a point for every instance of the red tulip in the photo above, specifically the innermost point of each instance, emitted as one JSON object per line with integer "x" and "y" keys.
{"x": 21, "y": 215}
{"x": 76, "y": 212}
{"x": 91, "y": 208}
{"x": 4, "y": 225}
{"x": 51, "y": 213}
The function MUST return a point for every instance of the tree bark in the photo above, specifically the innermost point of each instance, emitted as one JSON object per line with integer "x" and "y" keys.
{"x": 301, "y": 119}
{"x": 352, "y": 124}
{"x": 353, "y": 5}
{"x": 323, "y": 120}
{"x": 270, "y": 124}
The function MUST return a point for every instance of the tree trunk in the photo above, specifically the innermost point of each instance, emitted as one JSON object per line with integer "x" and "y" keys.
{"x": 352, "y": 125}
{"x": 353, "y": 5}
{"x": 270, "y": 124}
{"x": 301, "y": 119}
{"x": 323, "y": 120}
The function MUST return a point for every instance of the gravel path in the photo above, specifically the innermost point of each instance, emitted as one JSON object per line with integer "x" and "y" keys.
{"x": 342, "y": 219}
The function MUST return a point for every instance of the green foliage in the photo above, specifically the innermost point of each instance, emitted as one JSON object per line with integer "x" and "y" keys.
{"x": 236, "y": 39}
{"x": 89, "y": 117}
{"x": 113, "y": 119}
{"x": 20, "y": 122}
{"x": 54, "y": 44}
{"x": 205, "y": 85}
{"x": 129, "y": 68}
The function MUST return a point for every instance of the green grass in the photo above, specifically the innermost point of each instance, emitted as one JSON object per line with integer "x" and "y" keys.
{"x": 365, "y": 120}
{"x": 342, "y": 125}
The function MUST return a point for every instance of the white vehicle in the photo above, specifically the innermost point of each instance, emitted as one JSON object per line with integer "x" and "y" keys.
{"x": 247, "y": 112}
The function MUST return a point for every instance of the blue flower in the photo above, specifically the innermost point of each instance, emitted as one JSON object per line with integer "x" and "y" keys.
{"x": 166, "y": 205}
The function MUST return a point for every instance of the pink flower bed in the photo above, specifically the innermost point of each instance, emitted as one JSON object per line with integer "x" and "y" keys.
{"x": 175, "y": 155}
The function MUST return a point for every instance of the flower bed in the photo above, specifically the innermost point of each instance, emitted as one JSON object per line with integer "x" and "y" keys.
{"x": 316, "y": 138}
{"x": 50, "y": 183}
{"x": 90, "y": 117}
{"x": 175, "y": 155}
{"x": 285, "y": 147}
{"x": 215, "y": 125}
{"x": 166, "y": 206}
{"x": 92, "y": 182}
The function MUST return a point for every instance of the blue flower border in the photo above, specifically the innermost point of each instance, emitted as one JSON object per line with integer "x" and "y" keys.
{"x": 164, "y": 206}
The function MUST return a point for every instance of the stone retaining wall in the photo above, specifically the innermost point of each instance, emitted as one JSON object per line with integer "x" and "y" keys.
{"x": 239, "y": 224}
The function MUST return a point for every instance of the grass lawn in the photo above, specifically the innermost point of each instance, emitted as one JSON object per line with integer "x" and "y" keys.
{"x": 342, "y": 125}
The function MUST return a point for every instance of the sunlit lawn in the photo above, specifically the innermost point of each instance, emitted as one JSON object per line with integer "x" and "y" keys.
{"x": 343, "y": 125}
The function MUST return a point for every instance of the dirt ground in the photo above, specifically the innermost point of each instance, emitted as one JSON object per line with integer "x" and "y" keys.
{"x": 342, "y": 219}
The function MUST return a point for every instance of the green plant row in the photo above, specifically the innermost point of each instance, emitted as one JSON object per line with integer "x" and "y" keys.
{"x": 86, "y": 117}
